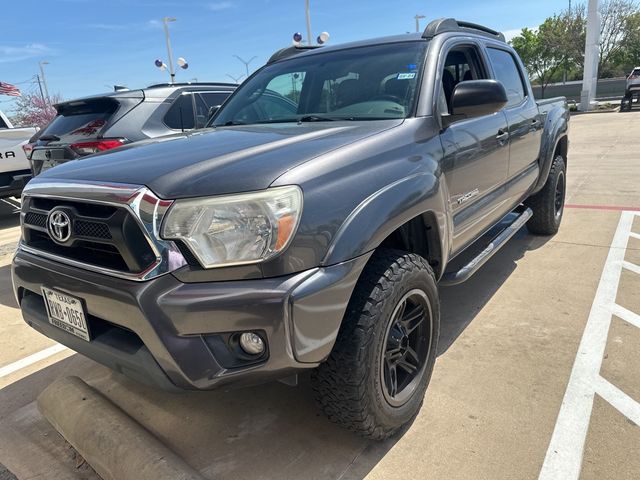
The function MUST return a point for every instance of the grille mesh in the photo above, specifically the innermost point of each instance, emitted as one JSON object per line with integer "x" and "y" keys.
{"x": 91, "y": 229}
{"x": 36, "y": 219}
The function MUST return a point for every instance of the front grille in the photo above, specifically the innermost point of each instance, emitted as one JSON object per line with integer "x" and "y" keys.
{"x": 103, "y": 235}
{"x": 81, "y": 228}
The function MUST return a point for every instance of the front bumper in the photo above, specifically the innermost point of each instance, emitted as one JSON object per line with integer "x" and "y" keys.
{"x": 171, "y": 334}
{"x": 633, "y": 87}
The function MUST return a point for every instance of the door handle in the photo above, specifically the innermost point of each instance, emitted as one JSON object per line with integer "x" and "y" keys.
{"x": 502, "y": 136}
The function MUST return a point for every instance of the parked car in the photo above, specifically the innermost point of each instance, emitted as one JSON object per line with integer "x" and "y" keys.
{"x": 285, "y": 240}
{"x": 632, "y": 88}
{"x": 95, "y": 124}
{"x": 14, "y": 166}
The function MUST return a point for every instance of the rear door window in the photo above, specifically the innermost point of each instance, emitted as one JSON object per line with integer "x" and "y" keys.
{"x": 507, "y": 71}
{"x": 213, "y": 99}
{"x": 204, "y": 102}
{"x": 78, "y": 121}
{"x": 181, "y": 115}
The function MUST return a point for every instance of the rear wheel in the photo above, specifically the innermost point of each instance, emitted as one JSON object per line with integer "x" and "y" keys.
{"x": 548, "y": 203}
{"x": 375, "y": 378}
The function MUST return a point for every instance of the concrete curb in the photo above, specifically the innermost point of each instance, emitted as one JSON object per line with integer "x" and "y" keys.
{"x": 114, "y": 444}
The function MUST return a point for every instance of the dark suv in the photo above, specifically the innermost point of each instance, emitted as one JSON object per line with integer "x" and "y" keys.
{"x": 95, "y": 124}
{"x": 308, "y": 229}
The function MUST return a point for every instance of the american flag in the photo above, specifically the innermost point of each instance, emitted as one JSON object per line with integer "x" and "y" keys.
{"x": 8, "y": 89}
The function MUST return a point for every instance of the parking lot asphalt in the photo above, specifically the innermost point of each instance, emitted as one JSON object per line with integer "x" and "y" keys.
{"x": 536, "y": 377}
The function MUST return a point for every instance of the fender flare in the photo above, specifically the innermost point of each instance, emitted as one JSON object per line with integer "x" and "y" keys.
{"x": 387, "y": 209}
{"x": 557, "y": 126}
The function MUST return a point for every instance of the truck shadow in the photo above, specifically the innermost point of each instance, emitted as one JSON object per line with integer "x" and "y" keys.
{"x": 267, "y": 431}
{"x": 461, "y": 303}
{"x": 9, "y": 213}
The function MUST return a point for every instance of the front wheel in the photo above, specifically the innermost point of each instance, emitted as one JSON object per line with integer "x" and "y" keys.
{"x": 376, "y": 376}
{"x": 548, "y": 204}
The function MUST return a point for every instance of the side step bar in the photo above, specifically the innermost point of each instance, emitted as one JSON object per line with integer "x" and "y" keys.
{"x": 462, "y": 275}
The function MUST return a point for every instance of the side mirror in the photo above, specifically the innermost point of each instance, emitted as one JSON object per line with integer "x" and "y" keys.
{"x": 475, "y": 98}
{"x": 213, "y": 110}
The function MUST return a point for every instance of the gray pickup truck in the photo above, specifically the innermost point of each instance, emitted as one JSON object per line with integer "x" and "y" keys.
{"x": 307, "y": 229}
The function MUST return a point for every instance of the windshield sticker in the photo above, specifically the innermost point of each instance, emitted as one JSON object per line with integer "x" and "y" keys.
{"x": 406, "y": 76}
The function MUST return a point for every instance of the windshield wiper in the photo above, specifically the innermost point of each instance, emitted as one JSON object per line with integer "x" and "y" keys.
{"x": 50, "y": 138}
{"x": 315, "y": 118}
{"x": 231, "y": 123}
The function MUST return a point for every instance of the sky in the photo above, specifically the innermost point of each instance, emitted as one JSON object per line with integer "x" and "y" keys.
{"x": 92, "y": 45}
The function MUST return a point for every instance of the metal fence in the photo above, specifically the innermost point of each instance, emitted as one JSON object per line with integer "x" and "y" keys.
{"x": 608, "y": 89}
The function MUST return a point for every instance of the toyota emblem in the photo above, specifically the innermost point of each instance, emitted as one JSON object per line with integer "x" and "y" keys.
{"x": 59, "y": 226}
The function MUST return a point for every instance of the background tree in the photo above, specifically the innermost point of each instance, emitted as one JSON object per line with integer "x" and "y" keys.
{"x": 616, "y": 30}
{"x": 545, "y": 51}
{"x": 32, "y": 111}
{"x": 629, "y": 55}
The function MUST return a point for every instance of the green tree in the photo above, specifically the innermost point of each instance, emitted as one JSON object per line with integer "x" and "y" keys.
{"x": 629, "y": 55}
{"x": 548, "y": 49}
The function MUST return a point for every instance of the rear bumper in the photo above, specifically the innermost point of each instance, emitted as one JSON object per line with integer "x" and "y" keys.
{"x": 175, "y": 335}
{"x": 12, "y": 183}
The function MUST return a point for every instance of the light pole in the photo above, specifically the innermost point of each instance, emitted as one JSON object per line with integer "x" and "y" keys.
{"x": 591, "y": 58}
{"x": 309, "y": 36}
{"x": 165, "y": 22}
{"x": 418, "y": 18}
{"x": 235, "y": 79}
{"x": 246, "y": 63}
{"x": 44, "y": 81}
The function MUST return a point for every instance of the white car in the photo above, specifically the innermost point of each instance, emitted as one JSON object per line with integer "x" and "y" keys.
{"x": 15, "y": 170}
{"x": 633, "y": 83}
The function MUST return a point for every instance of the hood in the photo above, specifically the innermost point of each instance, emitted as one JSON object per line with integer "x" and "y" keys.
{"x": 220, "y": 161}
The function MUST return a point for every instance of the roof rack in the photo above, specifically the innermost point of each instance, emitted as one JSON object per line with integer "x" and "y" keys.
{"x": 291, "y": 51}
{"x": 193, "y": 84}
{"x": 444, "y": 25}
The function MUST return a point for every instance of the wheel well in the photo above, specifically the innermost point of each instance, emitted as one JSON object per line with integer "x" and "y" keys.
{"x": 562, "y": 148}
{"x": 421, "y": 236}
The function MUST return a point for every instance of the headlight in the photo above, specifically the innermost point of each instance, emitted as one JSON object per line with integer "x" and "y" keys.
{"x": 235, "y": 229}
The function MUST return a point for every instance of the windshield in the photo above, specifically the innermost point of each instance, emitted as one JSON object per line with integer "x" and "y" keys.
{"x": 368, "y": 83}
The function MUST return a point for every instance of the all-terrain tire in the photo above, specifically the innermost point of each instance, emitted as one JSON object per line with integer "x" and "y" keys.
{"x": 349, "y": 385}
{"x": 548, "y": 204}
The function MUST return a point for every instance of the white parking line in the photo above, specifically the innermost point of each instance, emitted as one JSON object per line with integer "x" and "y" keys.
{"x": 632, "y": 267}
{"x": 563, "y": 460}
{"x": 626, "y": 315}
{"x": 30, "y": 360}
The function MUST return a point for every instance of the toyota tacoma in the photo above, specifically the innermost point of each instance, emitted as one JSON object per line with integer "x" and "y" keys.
{"x": 307, "y": 229}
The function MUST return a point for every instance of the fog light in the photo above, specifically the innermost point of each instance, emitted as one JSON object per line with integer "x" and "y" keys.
{"x": 251, "y": 343}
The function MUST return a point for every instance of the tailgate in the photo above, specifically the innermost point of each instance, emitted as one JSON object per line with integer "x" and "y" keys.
{"x": 12, "y": 157}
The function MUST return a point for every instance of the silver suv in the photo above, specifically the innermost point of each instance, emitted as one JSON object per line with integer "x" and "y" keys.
{"x": 102, "y": 122}
{"x": 632, "y": 89}
{"x": 633, "y": 83}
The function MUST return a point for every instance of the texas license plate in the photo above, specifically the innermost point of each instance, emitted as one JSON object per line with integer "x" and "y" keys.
{"x": 66, "y": 312}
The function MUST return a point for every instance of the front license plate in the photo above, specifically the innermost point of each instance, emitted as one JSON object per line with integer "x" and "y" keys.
{"x": 66, "y": 312}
